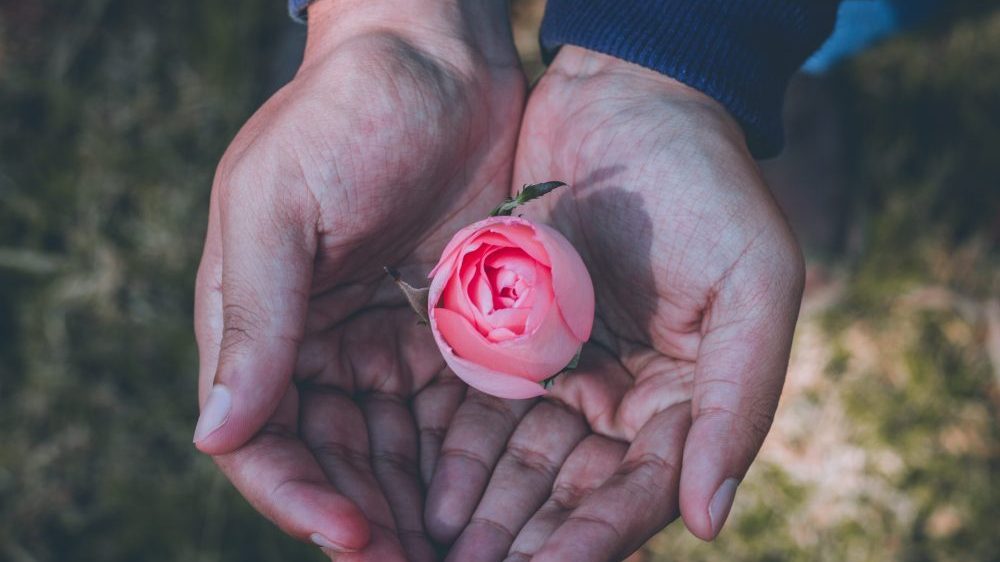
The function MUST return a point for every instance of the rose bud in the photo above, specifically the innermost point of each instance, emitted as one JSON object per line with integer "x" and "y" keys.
{"x": 510, "y": 305}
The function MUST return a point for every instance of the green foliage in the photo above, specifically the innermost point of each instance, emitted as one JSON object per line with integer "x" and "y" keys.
{"x": 527, "y": 193}
{"x": 113, "y": 114}
{"x": 897, "y": 446}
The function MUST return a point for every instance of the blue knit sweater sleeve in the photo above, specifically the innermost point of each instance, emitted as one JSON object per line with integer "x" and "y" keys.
{"x": 297, "y": 9}
{"x": 740, "y": 52}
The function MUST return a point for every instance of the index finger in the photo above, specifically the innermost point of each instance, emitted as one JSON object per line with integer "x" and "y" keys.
{"x": 633, "y": 504}
{"x": 208, "y": 303}
{"x": 278, "y": 474}
{"x": 739, "y": 373}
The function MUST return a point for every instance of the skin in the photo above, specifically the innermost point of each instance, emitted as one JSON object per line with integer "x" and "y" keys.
{"x": 698, "y": 281}
{"x": 343, "y": 425}
{"x": 396, "y": 131}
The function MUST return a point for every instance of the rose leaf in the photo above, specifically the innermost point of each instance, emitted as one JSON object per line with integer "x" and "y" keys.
{"x": 527, "y": 193}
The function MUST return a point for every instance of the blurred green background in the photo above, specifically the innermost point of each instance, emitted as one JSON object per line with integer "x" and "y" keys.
{"x": 113, "y": 114}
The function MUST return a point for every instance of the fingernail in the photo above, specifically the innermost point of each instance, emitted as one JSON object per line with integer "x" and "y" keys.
{"x": 326, "y": 545}
{"x": 722, "y": 502}
{"x": 215, "y": 413}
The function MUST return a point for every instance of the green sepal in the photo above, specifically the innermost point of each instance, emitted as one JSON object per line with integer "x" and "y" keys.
{"x": 527, "y": 193}
{"x": 551, "y": 381}
{"x": 417, "y": 297}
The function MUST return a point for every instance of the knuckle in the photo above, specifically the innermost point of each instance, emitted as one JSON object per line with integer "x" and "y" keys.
{"x": 388, "y": 460}
{"x": 648, "y": 476}
{"x": 752, "y": 425}
{"x": 494, "y": 525}
{"x": 533, "y": 461}
{"x": 493, "y": 407}
{"x": 332, "y": 452}
{"x": 567, "y": 496}
{"x": 466, "y": 456}
{"x": 240, "y": 324}
{"x": 602, "y": 526}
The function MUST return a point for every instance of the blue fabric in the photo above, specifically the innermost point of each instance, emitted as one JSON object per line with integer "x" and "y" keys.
{"x": 861, "y": 23}
{"x": 297, "y": 9}
{"x": 739, "y": 52}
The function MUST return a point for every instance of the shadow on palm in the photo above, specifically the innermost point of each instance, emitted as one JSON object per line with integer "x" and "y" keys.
{"x": 697, "y": 281}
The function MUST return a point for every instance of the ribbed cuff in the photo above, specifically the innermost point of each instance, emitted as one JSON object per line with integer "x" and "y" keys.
{"x": 739, "y": 52}
{"x": 297, "y": 9}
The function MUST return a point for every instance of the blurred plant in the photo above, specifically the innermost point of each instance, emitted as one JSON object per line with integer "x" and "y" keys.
{"x": 887, "y": 446}
{"x": 113, "y": 114}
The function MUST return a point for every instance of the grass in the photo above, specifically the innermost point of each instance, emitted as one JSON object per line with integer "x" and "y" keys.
{"x": 113, "y": 114}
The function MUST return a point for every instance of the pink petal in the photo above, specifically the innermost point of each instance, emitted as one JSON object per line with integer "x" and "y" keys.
{"x": 504, "y": 278}
{"x": 522, "y": 357}
{"x": 522, "y": 234}
{"x": 550, "y": 337}
{"x": 486, "y": 380}
{"x": 501, "y": 334}
{"x": 538, "y": 299}
{"x": 455, "y": 291}
{"x": 480, "y": 293}
{"x": 571, "y": 284}
{"x": 535, "y": 357}
{"x": 517, "y": 230}
{"x": 513, "y": 319}
{"x": 515, "y": 261}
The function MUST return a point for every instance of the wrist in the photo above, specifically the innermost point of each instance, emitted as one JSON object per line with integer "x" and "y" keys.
{"x": 441, "y": 27}
{"x": 575, "y": 62}
{"x": 582, "y": 77}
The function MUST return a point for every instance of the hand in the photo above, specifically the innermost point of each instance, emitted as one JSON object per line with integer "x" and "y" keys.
{"x": 698, "y": 281}
{"x": 316, "y": 383}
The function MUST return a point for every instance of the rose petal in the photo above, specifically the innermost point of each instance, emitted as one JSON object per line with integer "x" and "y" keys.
{"x": 539, "y": 300}
{"x": 501, "y": 334}
{"x": 503, "y": 278}
{"x": 513, "y": 319}
{"x": 487, "y": 380}
{"x": 517, "y": 230}
{"x": 513, "y": 260}
{"x": 571, "y": 284}
{"x": 455, "y": 292}
{"x": 519, "y": 356}
{"x": 550, "y": 338}
{"x": 522, "y": 234}
{"x": 480, "y": 293}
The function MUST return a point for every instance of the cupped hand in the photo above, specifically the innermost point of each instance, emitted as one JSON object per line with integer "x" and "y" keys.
{"x": 698, "y": 281}
{"x": 316, "y": 383}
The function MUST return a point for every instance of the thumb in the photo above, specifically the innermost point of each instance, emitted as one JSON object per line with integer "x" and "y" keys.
{"x": 268, "y": 250}
{"x": 738, "y": 379}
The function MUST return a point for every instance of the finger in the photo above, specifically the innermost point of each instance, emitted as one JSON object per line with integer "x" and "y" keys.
{"x": 738, "y": 378}
{"x": 434, "y": 408}
{"x": 521, "y": 482}
{"x": 334, "y": 429}
{"x": 476, "y": 438}
{"x": 280, "y": 477}
{"x": 392, "y": 437}
{"x": 208, "y": 303}
{"x": 631, "y": 506}
{"x": 383, "y": 547}
{"x": 269, "y": 242}
{"x": 590, "y": 464}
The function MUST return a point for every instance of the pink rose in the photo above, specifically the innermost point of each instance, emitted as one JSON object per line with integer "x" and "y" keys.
{"x": 510, "y": 305}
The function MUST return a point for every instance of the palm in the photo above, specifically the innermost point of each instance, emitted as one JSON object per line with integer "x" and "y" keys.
{"x": 387, "y": 151}
{"x": 668, "y": 212}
